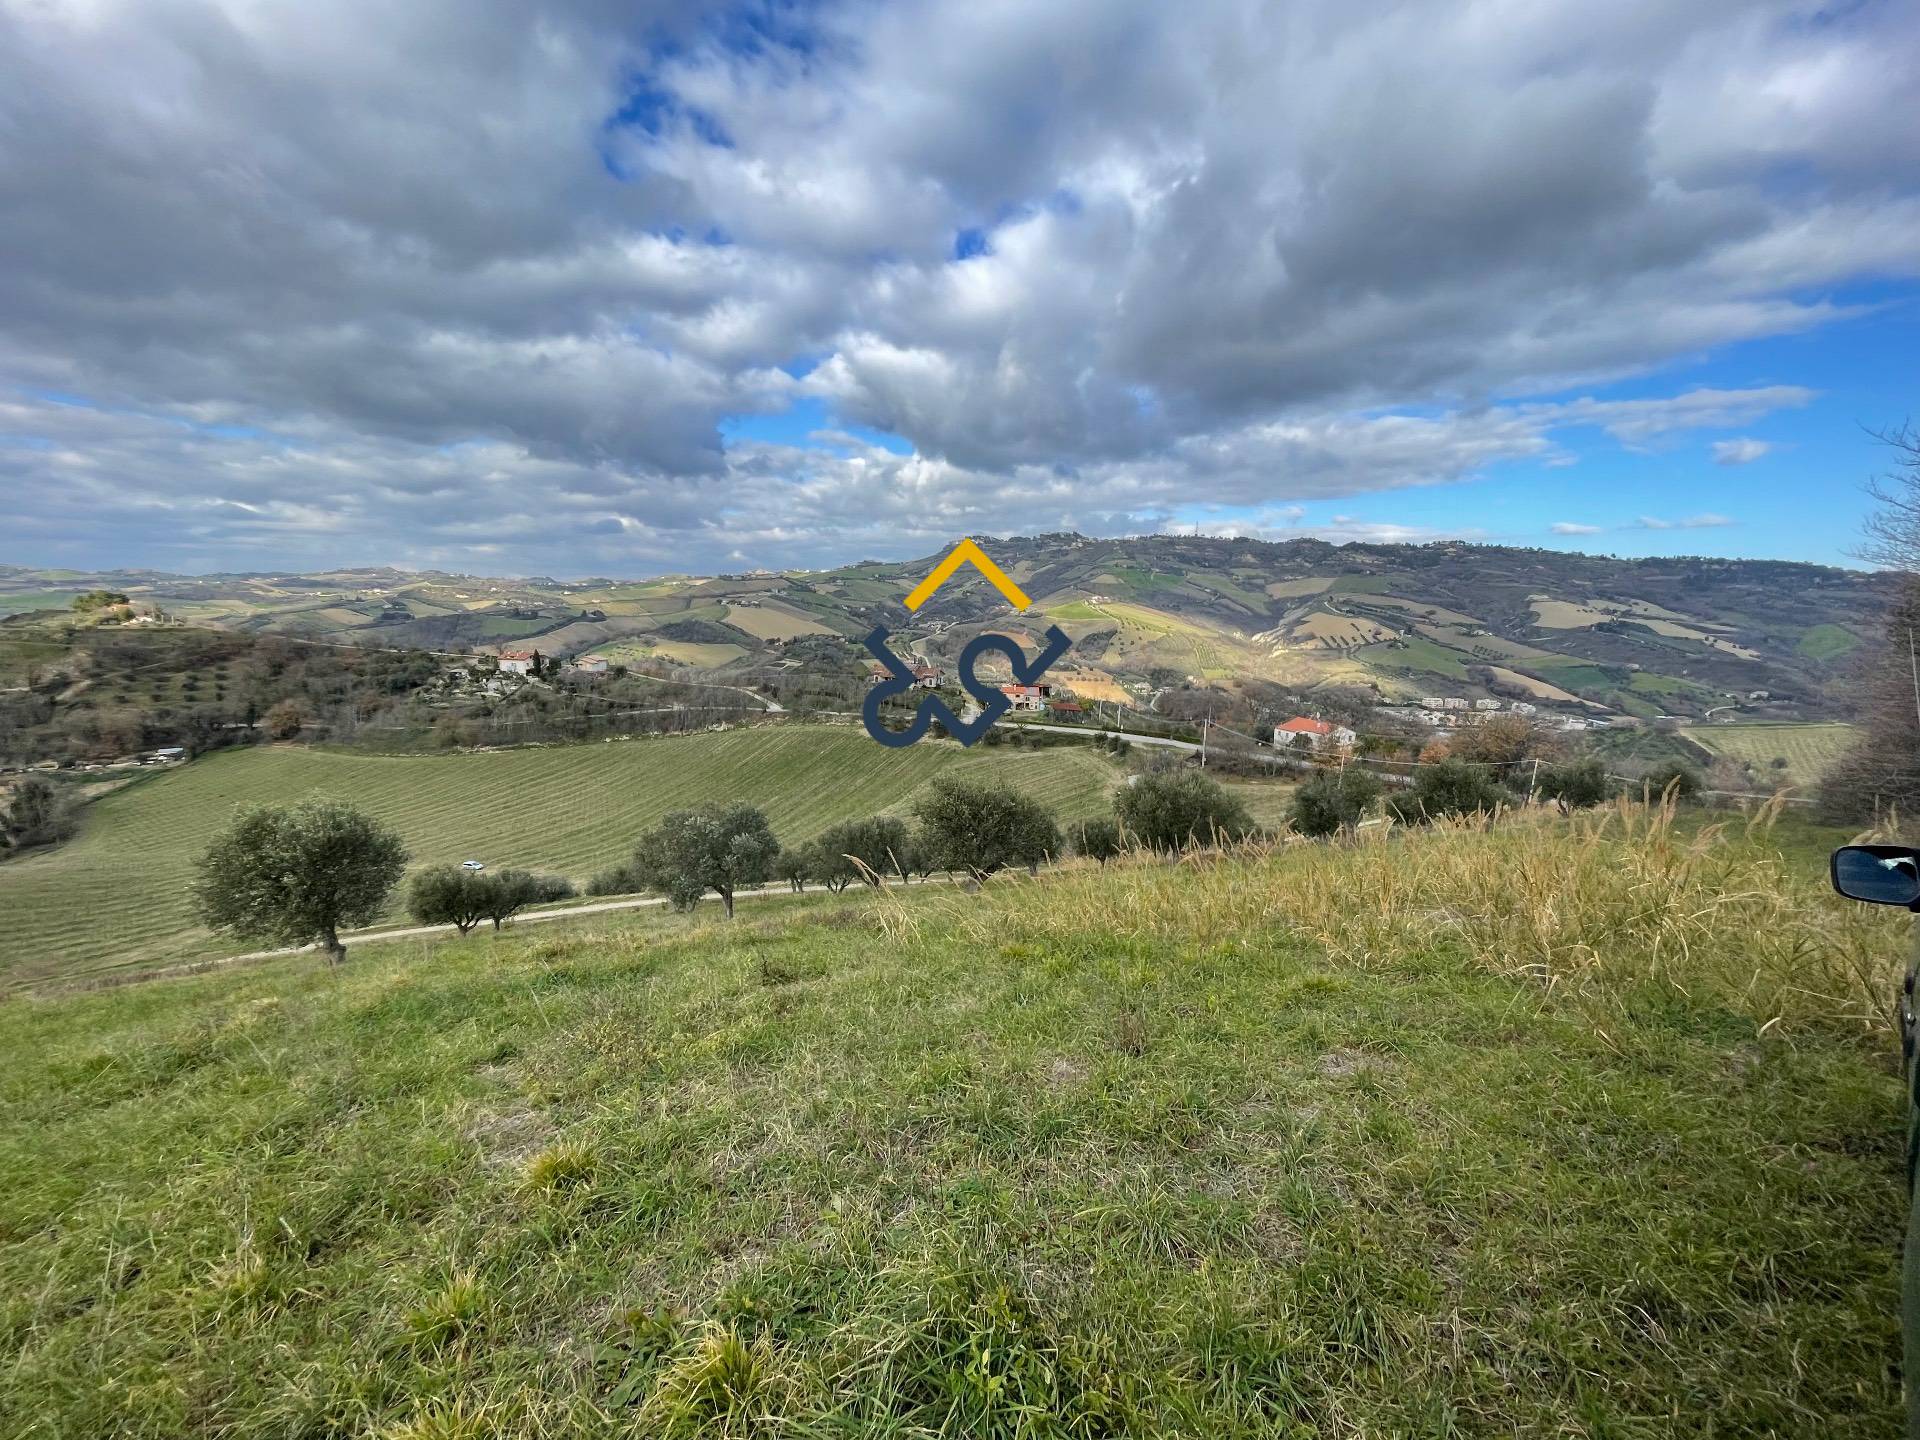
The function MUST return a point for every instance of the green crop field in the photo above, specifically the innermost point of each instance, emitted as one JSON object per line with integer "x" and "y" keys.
{"x": 1827, "y": 642}
{"x": 116, "y": 896}
{"x": 1568, "y": 1130}
{"x": 19, "y": 602}
{"x": 1807, "y": 749}
{"x": 1415, "y": 654}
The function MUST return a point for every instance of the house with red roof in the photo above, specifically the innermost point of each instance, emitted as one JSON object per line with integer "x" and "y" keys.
{"x": 1027, "y": 697}
{"x": 1314, "y": 734}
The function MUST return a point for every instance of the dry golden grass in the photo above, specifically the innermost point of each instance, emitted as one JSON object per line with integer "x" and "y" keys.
{"x": 1601, "y": 904}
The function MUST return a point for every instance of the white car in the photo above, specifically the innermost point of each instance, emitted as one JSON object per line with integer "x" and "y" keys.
{"x": 471, "y": 865}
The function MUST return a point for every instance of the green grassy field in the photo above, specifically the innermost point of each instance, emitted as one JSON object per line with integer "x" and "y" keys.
{"x": 1827, "y": 642}
{"x": 1807, "y": 749}
{"x": 1195, "y": 1149}
{"x": 116, "y": 896}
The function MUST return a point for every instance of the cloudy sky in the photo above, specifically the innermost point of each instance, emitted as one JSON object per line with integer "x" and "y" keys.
{"x": 609, "y": 287}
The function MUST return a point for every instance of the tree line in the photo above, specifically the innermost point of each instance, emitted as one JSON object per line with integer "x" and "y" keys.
{"x": 300, "y": 874}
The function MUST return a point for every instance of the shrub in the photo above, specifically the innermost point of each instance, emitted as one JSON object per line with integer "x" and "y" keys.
{"x": 982, "y": 829}
{"x": 865, "y": 850}
{"x": 1449, "y": 788}
{"x": 1097, "y": 839}
{"x": 1681, "y": 781}
{"x": 1334, "y": 801}
{"x": 1172, "y": 809}
{"x": 1576, "y": 785}
{"x": 283, "y": 721}
{"x": 40, "y": 812}
{"x": 615, "y": 880}
{"x": 505, "y": 893}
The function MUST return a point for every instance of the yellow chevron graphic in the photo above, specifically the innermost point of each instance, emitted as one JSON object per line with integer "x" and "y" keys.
{"x": 966, "y": 552}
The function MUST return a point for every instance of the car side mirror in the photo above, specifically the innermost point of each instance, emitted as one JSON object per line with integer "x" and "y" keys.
{"x": 1878, "y": 874}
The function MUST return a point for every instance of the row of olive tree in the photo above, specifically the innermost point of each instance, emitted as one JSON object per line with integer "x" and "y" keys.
{"x": 451, "y": 895}
{"x": 1335, "y": 801}
{"x": 300, "y": 874}
{"x": 960, "y": 826}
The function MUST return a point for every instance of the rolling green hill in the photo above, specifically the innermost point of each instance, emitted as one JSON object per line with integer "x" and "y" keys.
{"x": 116, "y": 896}
{"x": 1570, "y": 1130}
{"x": 1672, "y": 634}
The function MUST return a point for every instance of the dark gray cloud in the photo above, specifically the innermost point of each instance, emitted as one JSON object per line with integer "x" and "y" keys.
{"x": 441, "y": 282}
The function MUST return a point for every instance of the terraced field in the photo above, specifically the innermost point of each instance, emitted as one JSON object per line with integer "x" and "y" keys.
{"x": 116, "y": 896}
{"x": 1807, "y": 749}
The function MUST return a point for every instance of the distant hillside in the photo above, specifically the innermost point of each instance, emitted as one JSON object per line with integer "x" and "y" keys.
{"x": 1669, "y": 636}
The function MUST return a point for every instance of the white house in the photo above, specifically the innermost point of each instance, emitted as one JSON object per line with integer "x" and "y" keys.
{"x": 1317, "y": 734}
{"x": 516, "y": 662}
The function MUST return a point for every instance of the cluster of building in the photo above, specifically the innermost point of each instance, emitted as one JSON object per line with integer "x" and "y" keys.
{"x": 1452, "y": 712}
{"x": 520, "y": 662}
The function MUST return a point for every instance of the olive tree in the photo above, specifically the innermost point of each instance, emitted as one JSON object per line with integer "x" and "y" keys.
{"x": 1173, "y": 809}
{"x": 1673, "y": 778}
{"x": 447, "y": 895}
{"x": 1096, "y": 839}
{"x": 296, "y": 874}
{"x": 505, "y": 893}
{"x": 1576, "y": 784}
{"x": 865, "y": 850}
{"x": 1447, "y": 788}
{"x": 717, "y": 848}
{"x": 1334, "y": 801}
{"x": 982, "y": 829}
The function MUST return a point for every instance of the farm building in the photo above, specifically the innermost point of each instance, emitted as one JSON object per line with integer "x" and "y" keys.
{"x": 517, "y": 662}
{"x": 591, "y": 664}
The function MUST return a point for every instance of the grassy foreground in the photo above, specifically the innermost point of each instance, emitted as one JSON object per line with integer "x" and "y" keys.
{"x": 116, "y": 897}
{"x": 1530, "y": 1131}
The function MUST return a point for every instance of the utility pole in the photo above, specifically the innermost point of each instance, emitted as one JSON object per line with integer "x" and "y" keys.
{"x": 1203, "y": 742}
{"x": 1914, "y": 665}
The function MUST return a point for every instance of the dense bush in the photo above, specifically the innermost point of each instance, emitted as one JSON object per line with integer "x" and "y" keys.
{"x": 39, "y": 812}
{"x": 1097, "y": 839}
{"x": 866, "y": 850}
{"x": 1172, "y": 809}
{"x": 1576, "y": 784}
{"x": 793, "y": 866}
{"x": 507, "y": 892}
{"x": 1680, "y": 781}
{"x": 1448, "y": 788}
{"x": 615, "y": 880}
{"x": 1334, "y": 801}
